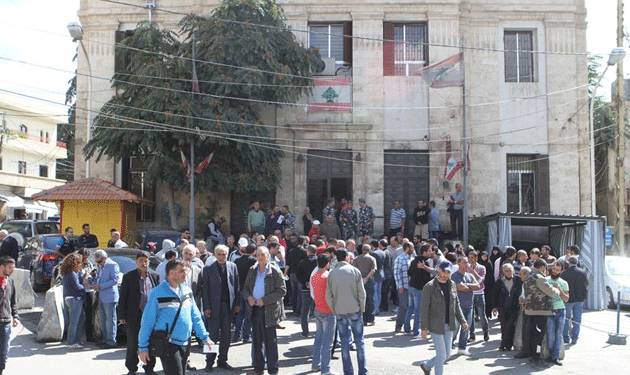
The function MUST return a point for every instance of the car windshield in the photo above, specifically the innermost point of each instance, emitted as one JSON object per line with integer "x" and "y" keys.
{"x": 23, "y": 228}
{"x": 47, "y": 228}
{"x": 619, "y": 267}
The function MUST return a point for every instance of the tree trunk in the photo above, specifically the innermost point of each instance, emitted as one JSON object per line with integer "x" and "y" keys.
{"x": 170, "y": 198}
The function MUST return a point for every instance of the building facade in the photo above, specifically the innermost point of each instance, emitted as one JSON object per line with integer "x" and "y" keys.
{"x": 29, "y": 153}
{"x": 373, "y": 128}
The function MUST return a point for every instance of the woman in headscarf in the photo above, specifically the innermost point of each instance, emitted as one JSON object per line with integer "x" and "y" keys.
{"x": 488, "y": 281}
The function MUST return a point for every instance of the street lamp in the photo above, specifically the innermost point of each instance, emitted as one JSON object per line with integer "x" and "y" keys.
{"x": 616, "y": 56}
{"x": 76, "y": 32}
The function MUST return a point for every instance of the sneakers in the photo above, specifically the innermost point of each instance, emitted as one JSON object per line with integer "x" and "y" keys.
{"x": 75, "y": 346}
{"x": 464, "y": 352}
{"x": 426, "y": 369}
{"x": 417, "y": 336}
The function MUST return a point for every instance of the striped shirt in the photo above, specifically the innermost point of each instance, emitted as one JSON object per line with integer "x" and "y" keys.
{"x": 396, "y": 218}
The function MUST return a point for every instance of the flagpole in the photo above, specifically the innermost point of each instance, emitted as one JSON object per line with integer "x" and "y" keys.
{"x": 464, "y": 152}
{"x": 192, "y": 160}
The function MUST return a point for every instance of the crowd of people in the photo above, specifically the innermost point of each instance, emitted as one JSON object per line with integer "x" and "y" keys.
{"x": 241, "y": 290}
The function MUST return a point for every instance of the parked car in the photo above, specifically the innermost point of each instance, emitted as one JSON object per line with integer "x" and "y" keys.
{"x": 143, "y": 237}
{"x": 30, "y": 228}
{"x": 617, "y": 279}
{"x": 40, "y": 258}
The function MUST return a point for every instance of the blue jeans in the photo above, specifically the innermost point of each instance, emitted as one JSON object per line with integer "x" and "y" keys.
{"x": 368, "y": 315}
{"x": 354, "y": 323}
{"x": 416, "y": 299}
{"x": 442, "y": 345}
{"x": 463, "y": 335}
{"x": 5, "y": 336}
{"x": 378, "y": 289}
{"x": 325, "y": 325}
{"x": 555, "y": 326}
{"x": 296, "y": 293}
{"x": 108, "y": 322}
{"x": 76, "y": 319}
{"x": 403, "y": 304}
{"x": 243, "y": 327}
{"x": 574, "y": 313}
{"x": 479, "y": 304}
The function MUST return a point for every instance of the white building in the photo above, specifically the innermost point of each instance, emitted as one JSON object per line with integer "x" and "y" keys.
{"x": 28, "y": 157}
{"x": 385, "y": 139}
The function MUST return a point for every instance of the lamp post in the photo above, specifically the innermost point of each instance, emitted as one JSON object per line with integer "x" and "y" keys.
{"x": 76, "y": 32}
{"x": 616, "y": 56}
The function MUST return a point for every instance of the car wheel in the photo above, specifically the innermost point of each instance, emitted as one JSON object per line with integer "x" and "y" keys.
{"x": 611, "y": 299}
{"x": 34, "y": 284}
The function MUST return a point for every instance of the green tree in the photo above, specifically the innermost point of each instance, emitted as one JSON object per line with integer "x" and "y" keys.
{"x": 154, "y": 114}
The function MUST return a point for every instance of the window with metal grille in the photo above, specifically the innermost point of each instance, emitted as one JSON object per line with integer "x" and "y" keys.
{"x": 43, "y": 171}
{"x": 332, "y": 40}
{"x": 528, "y": 183}
{"x": 405, "y": 48}
{"x": 22, "y": 167}
{"x": 519, "y": 56}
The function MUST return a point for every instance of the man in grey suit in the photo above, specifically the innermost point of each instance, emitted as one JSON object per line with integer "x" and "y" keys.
{"x": 220, "y": 302}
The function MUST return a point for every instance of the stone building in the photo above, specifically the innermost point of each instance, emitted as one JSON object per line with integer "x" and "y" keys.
{"x": 382, "y": 132}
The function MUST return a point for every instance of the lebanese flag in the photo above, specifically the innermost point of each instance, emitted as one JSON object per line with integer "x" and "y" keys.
{"x": 204, "y": 163}
{"x": 332, "y": 94}
{"x": 452, "y": 166}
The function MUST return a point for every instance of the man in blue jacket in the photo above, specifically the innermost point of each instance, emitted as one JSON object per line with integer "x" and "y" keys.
{"x": 107, "y": 287}
{"x": 159, "y": 314}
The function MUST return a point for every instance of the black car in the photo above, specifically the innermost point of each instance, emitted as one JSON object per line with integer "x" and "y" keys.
{"x": 40, "y": 258}
{"x": 143, "y": 237}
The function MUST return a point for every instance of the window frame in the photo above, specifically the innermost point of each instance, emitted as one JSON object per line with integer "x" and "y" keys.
{"x": 519, "y": 56}
{"x": 22, "y": 167}
{"x": 43, "y": 168}
{"x": 389, "y": 48}
{"x": 346, "y": 42}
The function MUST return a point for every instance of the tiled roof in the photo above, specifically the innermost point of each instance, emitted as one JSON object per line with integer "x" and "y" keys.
{"x": 88, "y": 189}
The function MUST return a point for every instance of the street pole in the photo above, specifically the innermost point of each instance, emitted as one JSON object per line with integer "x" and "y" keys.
{"x": 2, "y": 131}
{"x": 621, "y": 141}
{"x": 592, "y": 140}
{"x": 192, "y": 154}
{"x": 465, "y": 155}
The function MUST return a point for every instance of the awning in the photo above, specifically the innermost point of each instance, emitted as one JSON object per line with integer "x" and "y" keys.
{"x": 32, "y": 207}
{"x": 12, "y": 201}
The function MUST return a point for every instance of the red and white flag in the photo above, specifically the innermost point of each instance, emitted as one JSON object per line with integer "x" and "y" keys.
{"x": 186, "y": 165}
{"x": 204, "y": 163}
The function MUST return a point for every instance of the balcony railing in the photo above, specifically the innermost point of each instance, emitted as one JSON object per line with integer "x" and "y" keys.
{"x": 35, "y": 137}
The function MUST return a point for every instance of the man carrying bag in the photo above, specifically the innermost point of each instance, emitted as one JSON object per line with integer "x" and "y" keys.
{"x": 167, "y": 322}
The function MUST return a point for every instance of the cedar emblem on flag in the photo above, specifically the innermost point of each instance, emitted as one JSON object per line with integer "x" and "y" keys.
{"x": 446, "y": 73}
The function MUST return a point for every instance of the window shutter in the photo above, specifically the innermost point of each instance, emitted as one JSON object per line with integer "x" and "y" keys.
{"x": 119, "y": 64}
{"x": 347, "y": 42}
{"x": 388, "y": 49}
{"x": 542, "y": 185}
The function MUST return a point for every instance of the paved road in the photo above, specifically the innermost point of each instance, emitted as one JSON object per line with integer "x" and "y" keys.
{"x": 386, "y": 353}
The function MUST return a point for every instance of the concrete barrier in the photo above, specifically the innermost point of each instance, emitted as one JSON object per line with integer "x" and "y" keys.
{"x": 52, "y": 323}
{"x": 23, "y": 288}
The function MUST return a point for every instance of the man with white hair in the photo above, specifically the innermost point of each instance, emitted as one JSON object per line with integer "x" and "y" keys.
{"x": 106, "y": 284}
{"x": 9, "y": 245}
{"x": 118, "y": 243}
{"x": 193, "y": 272}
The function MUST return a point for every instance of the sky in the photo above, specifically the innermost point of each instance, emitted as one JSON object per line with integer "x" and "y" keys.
{"x": 35, "y": 32}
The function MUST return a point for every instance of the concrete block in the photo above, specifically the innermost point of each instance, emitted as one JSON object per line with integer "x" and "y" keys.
{"x": 51, "y": 323}
{"x": 23, "y": 288}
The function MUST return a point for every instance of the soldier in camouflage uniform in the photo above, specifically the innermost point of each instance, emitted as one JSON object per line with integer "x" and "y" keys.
{"x": 348, "y": 222}
{"x": 366, "y": 219}
{"x": 329, "y": 209}
{"x": 538, "y": 306}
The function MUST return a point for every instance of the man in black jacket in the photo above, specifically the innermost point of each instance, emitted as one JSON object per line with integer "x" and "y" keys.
{"x": 8, "y": 307}
{"x": 578, "y": 285}
{"x": 220, "y": 302}
{"x": 305, "y": 268}
{"x": 419, "y": 273}
{"x": 134, "y": 293}
{"x": 9, "y": 245}
{"x": 243, "y": 326}
{"x": 505, "y": 302}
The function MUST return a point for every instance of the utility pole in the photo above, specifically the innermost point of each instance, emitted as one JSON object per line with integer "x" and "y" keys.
{"x": 2, "y": 131}
{"x": 621, "y": 142}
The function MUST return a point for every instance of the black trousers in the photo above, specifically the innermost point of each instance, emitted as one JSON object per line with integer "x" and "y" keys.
{"x": 508, "y": 327}
{"x": 220, "y": 329}
{"x": 368, "y": 315}
{"x": 89, "y": 306}
{"x": 457, "y": 224}
{"x": 526, "y": 337}
{"x": 537, "y": 329}
{"x": 131, "y": 361}
{"x": 387, "y": 283}
{"x": 174, "y": 363}
{"x": 305, "y": 312}
{"x": 260, "y": 334}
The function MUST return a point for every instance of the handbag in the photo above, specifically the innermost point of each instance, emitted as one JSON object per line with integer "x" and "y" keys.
{"x": 449, "y": 206}
{"x": 159, "y": 340}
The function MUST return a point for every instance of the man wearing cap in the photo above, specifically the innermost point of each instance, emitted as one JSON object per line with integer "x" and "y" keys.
{"x": 440, "y": 312}
{"x": 242, "y": 245}
{"x": 314, "y": 229}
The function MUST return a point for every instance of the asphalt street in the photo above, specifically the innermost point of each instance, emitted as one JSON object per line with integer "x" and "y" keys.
{"x": 386, "y": 352}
